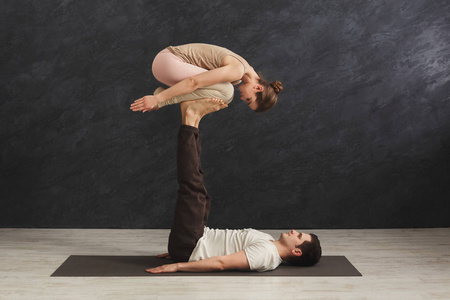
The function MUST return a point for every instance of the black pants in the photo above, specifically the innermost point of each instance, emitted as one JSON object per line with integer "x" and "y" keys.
{"x": 193, "y": 202}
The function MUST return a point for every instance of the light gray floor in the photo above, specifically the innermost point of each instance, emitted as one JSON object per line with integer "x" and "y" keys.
{"x": 395, "y": 263}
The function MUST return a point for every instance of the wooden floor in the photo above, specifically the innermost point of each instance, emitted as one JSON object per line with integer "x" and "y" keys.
{"x": 395, "y": 263}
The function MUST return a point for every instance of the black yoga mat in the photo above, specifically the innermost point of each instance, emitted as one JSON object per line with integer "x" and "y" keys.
{"x": 122, "y": 266}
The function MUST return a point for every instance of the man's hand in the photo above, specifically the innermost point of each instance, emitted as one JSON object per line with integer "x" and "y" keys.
{"x": 165, "y": 255}
{"x": 164, "y": 269}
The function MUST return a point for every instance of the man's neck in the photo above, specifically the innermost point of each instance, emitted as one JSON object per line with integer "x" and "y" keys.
{"x": 282, "y": 250}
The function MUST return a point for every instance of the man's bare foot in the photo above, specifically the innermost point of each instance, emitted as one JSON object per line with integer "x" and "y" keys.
{"x": 203, "y": 107}
{"x": 193, "y": 111}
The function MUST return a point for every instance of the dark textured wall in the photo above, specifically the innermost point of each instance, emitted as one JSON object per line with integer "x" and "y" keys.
{"x": 360, "y": 137}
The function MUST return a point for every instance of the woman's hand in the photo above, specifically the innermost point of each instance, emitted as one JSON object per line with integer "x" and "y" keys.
{"x": 146, "y": 103}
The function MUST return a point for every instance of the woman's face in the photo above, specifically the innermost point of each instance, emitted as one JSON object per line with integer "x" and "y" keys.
{"x": 248, "y": 90}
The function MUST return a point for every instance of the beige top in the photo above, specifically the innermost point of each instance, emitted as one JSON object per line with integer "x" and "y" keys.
{"x": 204, "y": 55}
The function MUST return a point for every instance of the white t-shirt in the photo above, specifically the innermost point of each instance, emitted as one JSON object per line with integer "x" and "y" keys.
{"x": 262, "y": 254}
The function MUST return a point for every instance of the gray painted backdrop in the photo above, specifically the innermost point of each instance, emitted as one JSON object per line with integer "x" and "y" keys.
{"x": 360, "y": 137}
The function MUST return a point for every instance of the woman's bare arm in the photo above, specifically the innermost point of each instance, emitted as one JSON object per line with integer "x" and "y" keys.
{"x": 228, "y": 73}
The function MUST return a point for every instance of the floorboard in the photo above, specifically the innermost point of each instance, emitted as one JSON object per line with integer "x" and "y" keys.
{"x": 395, "y": 263}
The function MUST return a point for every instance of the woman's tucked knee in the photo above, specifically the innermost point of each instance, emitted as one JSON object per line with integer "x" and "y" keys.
{"x": 223, "y": 91}
{"x": 228, "y": 92}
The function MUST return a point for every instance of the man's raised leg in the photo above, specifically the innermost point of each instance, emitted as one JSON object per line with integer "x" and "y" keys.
{"x": 192, "y": 207}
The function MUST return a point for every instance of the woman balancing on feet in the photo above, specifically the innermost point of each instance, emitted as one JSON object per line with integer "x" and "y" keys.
{"x": 203, "y": 71}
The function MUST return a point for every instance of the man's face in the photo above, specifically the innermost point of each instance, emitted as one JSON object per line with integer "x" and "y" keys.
{"x": 294, "y": 238}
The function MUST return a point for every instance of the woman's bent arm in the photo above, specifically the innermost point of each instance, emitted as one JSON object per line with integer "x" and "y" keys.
{"x": 227, "y": 73}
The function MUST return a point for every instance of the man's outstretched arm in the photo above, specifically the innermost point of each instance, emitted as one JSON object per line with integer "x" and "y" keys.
{"x": 235, "y": 261}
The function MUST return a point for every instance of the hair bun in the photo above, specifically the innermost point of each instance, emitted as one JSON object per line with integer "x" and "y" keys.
{"x": 277, "y": 86}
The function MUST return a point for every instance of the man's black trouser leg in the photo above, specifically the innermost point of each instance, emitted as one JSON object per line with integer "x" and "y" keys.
{"x": 193, "y": 202}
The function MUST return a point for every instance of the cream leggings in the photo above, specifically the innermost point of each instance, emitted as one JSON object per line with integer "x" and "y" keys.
{"x": 169, "y": 70}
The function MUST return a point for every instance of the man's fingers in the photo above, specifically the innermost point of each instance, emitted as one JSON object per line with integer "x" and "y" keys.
{"x": 154, "y": 270}
{"x": 164, "y": 269}
{"x": 165, "y": 255}
{"x": 151, "y": 270}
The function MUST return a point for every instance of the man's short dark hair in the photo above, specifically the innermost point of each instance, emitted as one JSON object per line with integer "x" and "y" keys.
{"x": 311, "y": 253}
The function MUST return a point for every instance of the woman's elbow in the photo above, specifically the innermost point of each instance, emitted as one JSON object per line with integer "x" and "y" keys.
{"x": 192, "y": 83}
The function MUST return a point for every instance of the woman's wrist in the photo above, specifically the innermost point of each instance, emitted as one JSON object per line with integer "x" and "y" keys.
{"x": 158, "y": 98}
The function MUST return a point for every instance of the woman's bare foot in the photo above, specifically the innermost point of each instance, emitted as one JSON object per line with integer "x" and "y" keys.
{"x": 193, "y": 111}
